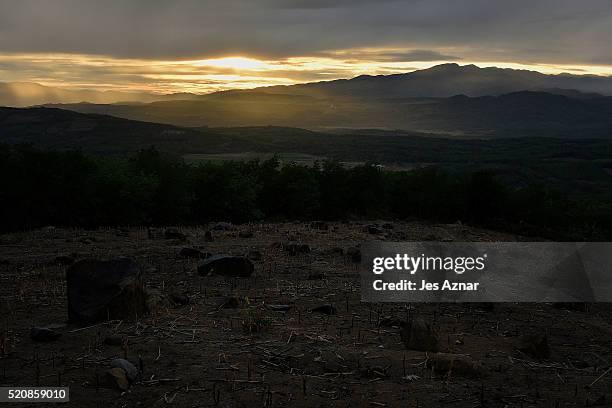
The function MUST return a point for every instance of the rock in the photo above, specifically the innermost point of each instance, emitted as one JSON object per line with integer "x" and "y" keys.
{"x": 454, "y": 364}
{"x": 316, "y": 276}
{"x": 44, "y": 334}
{"x": 227, "y": 265}
{"x": 418, "y": 335}
{"x": 279, "y": 308}
{"x": 354, "y": 253}
{"x": 373, "y": 229}
{"x": 130, "y": 370}
{"x": 390, "y": 321}
{"x": 337, "y": 250}
{"x": 222, "y": 226}
{"x": 245, "y": 234}
{"x": 208, "y": 236}
{"x": 231, "y": 302}
{"x": 325, "y": 309}
{"x": 173, "y": 233}
{"x": 388, "y": 226}
{"x": 254, "y": 255}
{"x": 179, "y": 298}
{"x": 100, "y": 290}
{"x": 193, "y": 253}
{"x": 113, "y": 340}
{"x": 295, "y": 248}
{"x": 64, "y": 260}
{"x": 117, "y": 378}
{"x": 534, "y": 345}
{"x": 319, "y": 225}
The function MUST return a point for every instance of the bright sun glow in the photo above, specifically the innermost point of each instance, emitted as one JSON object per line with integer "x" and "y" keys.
{"x": 224, "y": 73}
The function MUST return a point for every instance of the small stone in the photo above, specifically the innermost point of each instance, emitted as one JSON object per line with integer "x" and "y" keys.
{"x": 130, "y": 370}
{"x": 534, "y": 345}
{"x": 222, "y": 226}
{"x": 279, "y": 308}
{"x": 193, "y": 253}
{"x": 113, "y": 340}
{"x": 230, "y": 303}
{"x": 44, "y": 334}
{"x": 316, "y": 276}
{"x": 418, "y": 335}
{"x": 179, "y": 298}
{"x": 117, "y": 378}
{"x": 325, "y": 309}
{"x": 295, "y": 248}
{"x": 373, "y": 229}
{"x": 227, "y": 265}
{"x": 173, "y": 233}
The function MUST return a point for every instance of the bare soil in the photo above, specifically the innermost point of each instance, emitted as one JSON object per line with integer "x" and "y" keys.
{"x": 201, "y": 354}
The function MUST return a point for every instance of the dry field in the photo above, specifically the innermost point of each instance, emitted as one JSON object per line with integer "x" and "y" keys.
{"x": 235, "y": 345}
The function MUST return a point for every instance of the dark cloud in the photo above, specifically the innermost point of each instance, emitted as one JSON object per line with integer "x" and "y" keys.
{"x": 546, "y": 31}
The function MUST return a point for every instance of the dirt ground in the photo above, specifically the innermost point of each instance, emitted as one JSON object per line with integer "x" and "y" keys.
{"x": 204, "y": 355}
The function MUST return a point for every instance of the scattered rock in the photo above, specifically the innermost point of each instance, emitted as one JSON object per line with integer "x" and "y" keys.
{"x": 390, "y": 321}
{"x": 354, "y": 253}
{"x": 179, "y": 298}
{"x": 130, "y": 370}
{"x": 117, "y": 378}
{"x": 534, "y": 345}
{"x": 226, "y": 265}
{"x": 319, "y": 225}
{"x": 454, "y": 364}
{"x": 193, "y": 253}
{"x": 44, "y": 334}
{"x": 337, "y": 250}
{"x": 279, "y": 308}
{"x": 222, "y": 226}
{"x": 99, "y": 290}
{"x": 230, "y": 302}
{"x": 245, "y": 234}
{"x": 173, "y": 233}
{"x": 316, "y": 276}
{"x": 373, "y": 229}
{"x": 325, "y": 309}
{"x": 295, "y": 248}
{"x": 113, "y": 340}
{"x": 418, "y": 335}
{"x": 255, "y": 255}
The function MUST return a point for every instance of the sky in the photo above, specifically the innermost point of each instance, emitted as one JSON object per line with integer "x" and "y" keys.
{"x": 209, "y": 45}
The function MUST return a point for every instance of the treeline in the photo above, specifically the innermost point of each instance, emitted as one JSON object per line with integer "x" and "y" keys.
{"x": 73, "y": 189}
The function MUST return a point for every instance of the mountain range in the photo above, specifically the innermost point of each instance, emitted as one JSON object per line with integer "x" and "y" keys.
{"x": 446, "y": 100}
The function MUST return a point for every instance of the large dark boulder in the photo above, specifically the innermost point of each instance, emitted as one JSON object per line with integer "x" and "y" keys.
{"x": 227, "y": 265}
{"x": 100, "y": 290}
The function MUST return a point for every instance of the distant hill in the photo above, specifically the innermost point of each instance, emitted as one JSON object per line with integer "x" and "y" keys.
{"x": 21, "y": 94}
{"x": 517, "y": 114}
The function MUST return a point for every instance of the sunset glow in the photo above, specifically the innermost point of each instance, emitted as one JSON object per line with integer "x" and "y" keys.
{"x": 81, "y": 71}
